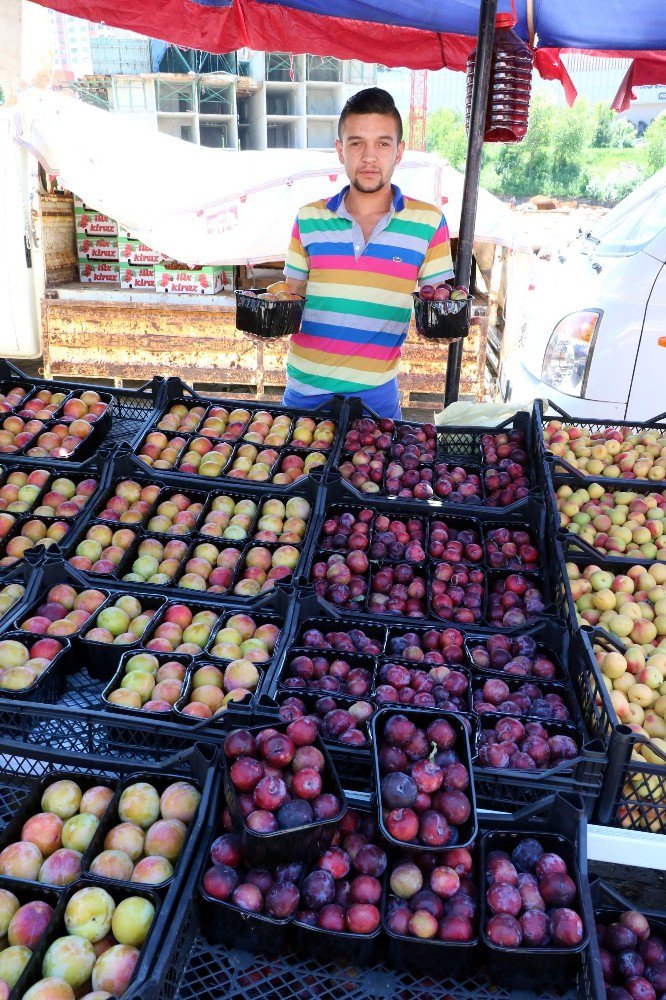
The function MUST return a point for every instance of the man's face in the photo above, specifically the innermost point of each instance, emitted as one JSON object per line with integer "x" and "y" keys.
{"x": 369, "y": 151}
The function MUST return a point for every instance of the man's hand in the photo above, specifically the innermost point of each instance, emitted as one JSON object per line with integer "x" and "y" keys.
{"x": 297, "y": 287}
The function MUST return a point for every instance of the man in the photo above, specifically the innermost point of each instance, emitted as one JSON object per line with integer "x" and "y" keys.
{"x": 357, "y": 257}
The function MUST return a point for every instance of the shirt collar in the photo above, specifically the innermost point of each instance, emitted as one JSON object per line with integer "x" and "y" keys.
{"x": 337, "y": 202}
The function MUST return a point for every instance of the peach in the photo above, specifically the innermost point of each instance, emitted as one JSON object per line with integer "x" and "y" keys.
{"x": 21, "y": 860}
{"x": 78, "y": 831}
{"x": 165, "y": 838}
{"x": 71, "y": 958}
{"x": 113, "y": 864}
{"x": 88, "y": 913}
{"x": 29, "y": 923}
{"x": 208, "y": 695}
{"x": 12, "y": 963}
{"x": 139, "y": 803}
{"x": 132, "y": 919}
{"x": 114, "y": 969}
{"x": 12, "y": 654}
{"x": 179, "y": 800}
{"x": 241, "y": 674}
{"x": 9, "y": 904}
{"x": 139, "y": 681}
{"x": 63, "y": 867}
{"x": 95, "y": 800}
{"x": 197, "y": 710}
{"x": 168, "y": 691}
{"x": 152, "y": 871}
{"x": 88, "y": 600}
{"x": 50, "y": 989}
{"x": 45, "y": 831}
{"x": 127, "y": 837}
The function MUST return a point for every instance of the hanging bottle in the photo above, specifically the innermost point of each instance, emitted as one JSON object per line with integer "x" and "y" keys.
{"x": 507, "y": 114}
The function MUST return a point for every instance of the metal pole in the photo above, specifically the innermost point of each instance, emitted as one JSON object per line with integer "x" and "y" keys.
{"x": 477, "y": 124}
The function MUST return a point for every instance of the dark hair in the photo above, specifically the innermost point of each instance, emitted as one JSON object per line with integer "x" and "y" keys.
{"x": 372, "y": 101}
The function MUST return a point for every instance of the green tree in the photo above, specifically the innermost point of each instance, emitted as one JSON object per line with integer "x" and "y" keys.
{"x": 655, "y": 137}
{"x": 623, "y": 134}
{"x": 569, "y": 143}
{"x": 524, "y": 168}
{"x": 603, "y": 126}
{"x": 446, "y": 135}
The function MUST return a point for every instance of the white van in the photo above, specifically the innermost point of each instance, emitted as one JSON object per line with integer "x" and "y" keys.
{"x": 593, "y": 339}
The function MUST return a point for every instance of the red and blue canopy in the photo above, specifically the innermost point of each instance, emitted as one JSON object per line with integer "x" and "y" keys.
{"x": 420, "y": 34}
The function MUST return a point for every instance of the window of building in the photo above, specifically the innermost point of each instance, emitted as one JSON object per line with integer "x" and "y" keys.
{"x": 172, "y": 97}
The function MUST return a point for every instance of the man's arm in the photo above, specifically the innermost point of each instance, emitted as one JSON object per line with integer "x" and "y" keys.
{"x": 437, "y": 265}
{"x": 297, "y": 264}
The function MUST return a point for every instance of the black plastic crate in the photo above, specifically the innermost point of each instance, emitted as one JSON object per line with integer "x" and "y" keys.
{"x": 192, "y": 966}
{"x": 460, "y": 446}
{"x": 592, "y": 425}
{"x": 176, "y": 390}
{"x": 608, "y": 904}
{"x": 130, "y": 410}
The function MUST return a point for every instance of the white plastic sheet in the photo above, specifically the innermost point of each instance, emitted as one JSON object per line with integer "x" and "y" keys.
{"x": 207, "y": 206}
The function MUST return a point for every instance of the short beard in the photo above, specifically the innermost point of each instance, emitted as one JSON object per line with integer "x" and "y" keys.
{"x": 368, "y": 190}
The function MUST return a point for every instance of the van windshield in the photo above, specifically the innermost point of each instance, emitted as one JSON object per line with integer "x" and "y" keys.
{"x": 634, "y": 223}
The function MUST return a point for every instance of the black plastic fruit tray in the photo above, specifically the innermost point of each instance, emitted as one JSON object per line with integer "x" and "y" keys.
{"x": 573, "y": 540}
{"x": 48, "y": 685}
{"x": 193, "y": 965}
{"x": 522, "y": 966}
{"x": 508, "y": 789}
{"x": 102, "y": 658}
{"x": 634, "y": 791}
{"x": 96, "y": 469}
{"x": 57, "y": 929}
{"x": 422, "y": 717}
{"x": 593, "y": 425}
{"x": 562, "y": 688}
{"x": 241, "y": 707}
{"x": 608, "y": 905}
{"x": 116, "y": 683}
{"x": 294, "y": 843}
{"x": 130, "y": 410}
{"x": 17, "y": 529}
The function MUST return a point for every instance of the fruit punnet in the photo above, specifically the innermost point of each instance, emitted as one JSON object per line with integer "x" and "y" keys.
{"x": 53, "y": 841}
{"x": 33, "y": 532}
{"x": 182, "y": 630}
{"x": 336, "y": 721}
{"x": 148, "y": 684}
{"x": 342, "y": 892}
{"x": 23, "y": 661}
{"x": 146, "y": 842}
{"x": 636, "y": 680}
{"x": 630, "y": 606}
{"x": 102, "y": 549}
{"x": 433, "y": 901}
{"x": 279, "y": 777}
{"x": 121, "y": 623}
{"x": 614, "y": 452}
{"x": 531, "y": 899}
{"x": 519, "y": 656}
{"x": 64, "y": 612}
{"x": 212, "y": 688}
{"x": 271, "y": 892}
{"x": 519, "y": 699}
{"x": 633, "y": 956}
{"x": 524, "y": 746}
{"x": 424, "y": 782}
{"x": 328, "y": 674}
{"x": 614, "y": 521}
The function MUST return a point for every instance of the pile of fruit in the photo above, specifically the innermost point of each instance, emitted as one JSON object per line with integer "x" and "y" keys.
{"x": 633, "y": 956}
{"x": 614, "y": 452}
{"x": 121, "y": 623}
{"x": 525, "y": 746}
{"x": 337, "y": 721}
{"x": 616, "y": 522}
{"x": 209, "y": 690}
{"x": 148, "y": 833}
{"x": 279, "y": 779}
{"x": 636, "y": 681}
{"x": 425, "y": 777}
{"x": 22, "y": 661}
{"x": 531, "y": 898}
{"x": 30, "y": 534}
{"x": 147, "y": 683}
{"x": 52, "y": 842}
{"x": 433, "y": 902}
{"x": 631, "y": 606}
{"x": 272, "y": 892}
{"x": 443, "y": 292}
{"x": 64, "y": 611}
{"x": 58, "y": 496}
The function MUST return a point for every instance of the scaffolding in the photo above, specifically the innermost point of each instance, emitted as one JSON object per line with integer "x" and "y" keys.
{"x": 175, "y": 59}
{"x": 90, "y": 89}
{"x": 283, "y": 67}
{"x": 324, "y": 69}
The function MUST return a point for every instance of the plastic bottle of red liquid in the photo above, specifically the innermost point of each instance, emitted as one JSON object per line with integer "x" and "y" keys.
{"x": 507, "y": 116}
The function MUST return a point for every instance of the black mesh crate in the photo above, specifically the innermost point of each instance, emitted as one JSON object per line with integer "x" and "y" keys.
{"x": 592, "y": 425}
{"x": 129, "y": 411}
{"x": 192, "y": 966}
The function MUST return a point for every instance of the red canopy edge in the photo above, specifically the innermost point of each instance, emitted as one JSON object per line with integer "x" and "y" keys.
{"x": 268, "y": 28}
{"x": 265, "y": 27}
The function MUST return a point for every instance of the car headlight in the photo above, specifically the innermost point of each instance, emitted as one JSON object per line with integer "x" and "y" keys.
{"x": 566, "y": 361}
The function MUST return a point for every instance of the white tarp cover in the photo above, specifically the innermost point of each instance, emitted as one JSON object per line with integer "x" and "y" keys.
{"x": 209, "y": 206}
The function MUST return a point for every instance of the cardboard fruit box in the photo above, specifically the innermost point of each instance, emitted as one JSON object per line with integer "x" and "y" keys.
{"x": 132, "y": 251}
{"x": 97, "y": 248}
{"x": 94, "y": 224}
{"x": 102, "y": 272}
{"x": 205, "y": 280}
{"x": 137, "y": 276}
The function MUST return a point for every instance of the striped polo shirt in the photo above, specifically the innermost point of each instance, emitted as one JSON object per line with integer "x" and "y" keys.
{"x": 359, "y": 305}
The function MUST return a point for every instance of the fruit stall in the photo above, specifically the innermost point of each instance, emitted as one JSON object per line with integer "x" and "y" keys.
{"x": 320, "y": 702}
